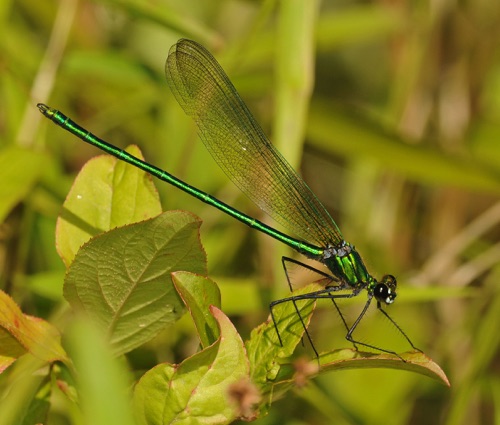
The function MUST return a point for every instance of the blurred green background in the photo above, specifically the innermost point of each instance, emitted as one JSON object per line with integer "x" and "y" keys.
{"x": 390, "y": 109}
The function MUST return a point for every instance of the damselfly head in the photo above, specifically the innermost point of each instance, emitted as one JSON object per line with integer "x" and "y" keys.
{"x": 385, "y": 290}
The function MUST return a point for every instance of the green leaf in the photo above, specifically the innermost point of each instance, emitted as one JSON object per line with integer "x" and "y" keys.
{"x": 107, "y": 193}
{"x": 197, "y": 391}
{"x": 122, "y": 278}
{"x": 414, "y": 361}
{"x": 199, "y": 293}
{"x": 291, "y": 374}
{"x": 19, "y": 169}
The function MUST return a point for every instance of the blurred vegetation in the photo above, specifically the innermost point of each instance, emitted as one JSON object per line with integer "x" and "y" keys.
{"x": 390, "y": 109}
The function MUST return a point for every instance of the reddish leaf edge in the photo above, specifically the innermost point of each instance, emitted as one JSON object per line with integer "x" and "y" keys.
{"x": 412, "y": 361}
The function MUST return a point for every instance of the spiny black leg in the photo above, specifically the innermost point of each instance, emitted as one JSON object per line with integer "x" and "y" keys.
{"x": 293, "y": 300}
{"x": 343, "y": 319}
{"x": 324, "y": 276}
{"x": 379, "y": 306}
{"x": 284, "y": 260}
{"x": 350, "y": 338}
{"x": 321, "y": 294}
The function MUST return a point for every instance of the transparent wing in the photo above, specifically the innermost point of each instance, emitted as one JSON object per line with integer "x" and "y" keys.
{"x": 238, "y": 144}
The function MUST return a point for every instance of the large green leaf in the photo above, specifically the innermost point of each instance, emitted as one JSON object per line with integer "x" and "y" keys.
{"x": 122, "y": 278}
{"x": 107, "y": 193}
{"x": 201, "y": 389}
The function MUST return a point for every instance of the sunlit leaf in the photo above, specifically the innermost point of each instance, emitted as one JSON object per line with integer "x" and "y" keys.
{"x": 199, "y": 389}
{"x": 413, "y": 361}
{"x": 107, "y": 193}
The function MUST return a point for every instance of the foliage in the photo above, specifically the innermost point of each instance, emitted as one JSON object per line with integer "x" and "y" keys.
{"x": 132, "y": 281}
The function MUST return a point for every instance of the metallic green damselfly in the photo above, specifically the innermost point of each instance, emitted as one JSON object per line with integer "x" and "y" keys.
{"x": 240, "y": 147}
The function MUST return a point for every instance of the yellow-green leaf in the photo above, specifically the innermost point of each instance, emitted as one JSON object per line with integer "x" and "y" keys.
{"x": 107, "y": 193}
{"x": 21, "y": 334}
{"x": 199, "y": 390}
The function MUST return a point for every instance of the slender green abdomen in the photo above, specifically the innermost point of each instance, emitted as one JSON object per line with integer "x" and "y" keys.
{"x": 62, "y": 120}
